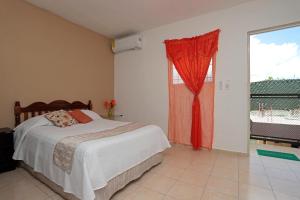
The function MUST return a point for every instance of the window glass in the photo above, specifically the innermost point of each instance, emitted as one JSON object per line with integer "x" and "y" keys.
{"x": 177, "y": 79}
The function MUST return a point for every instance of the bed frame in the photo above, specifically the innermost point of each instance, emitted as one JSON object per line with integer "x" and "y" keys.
{"x": 39, "y": 108}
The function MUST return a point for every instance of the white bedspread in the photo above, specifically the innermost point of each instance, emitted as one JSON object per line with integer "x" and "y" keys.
{"x": 95, "y": 162}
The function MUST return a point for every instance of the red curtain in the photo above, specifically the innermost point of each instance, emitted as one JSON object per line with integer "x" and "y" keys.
{"x": 191, "y": 58}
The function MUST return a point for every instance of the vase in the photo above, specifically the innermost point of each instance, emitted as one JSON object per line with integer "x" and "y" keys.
{"x": 110, "y": 113}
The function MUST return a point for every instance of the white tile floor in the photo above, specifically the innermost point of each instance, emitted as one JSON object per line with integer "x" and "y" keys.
{"x": 190, "y": 175}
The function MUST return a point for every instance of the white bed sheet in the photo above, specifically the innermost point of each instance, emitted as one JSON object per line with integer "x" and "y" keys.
{"x": 95, "y": 162}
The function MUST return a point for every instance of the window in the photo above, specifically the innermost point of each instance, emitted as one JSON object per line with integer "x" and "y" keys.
{"x": 177, "y": 79}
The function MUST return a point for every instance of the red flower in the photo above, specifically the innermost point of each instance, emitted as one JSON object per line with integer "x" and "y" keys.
{"x": 113, "y": 102}
{"x": 110, "y": 104}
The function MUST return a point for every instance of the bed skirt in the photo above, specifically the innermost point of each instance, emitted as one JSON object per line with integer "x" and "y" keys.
{"x": 114, "y": 185}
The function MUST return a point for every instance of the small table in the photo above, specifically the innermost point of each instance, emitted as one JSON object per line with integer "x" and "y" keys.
{"x": 6, "y": 150}
{"x": 114, "y": 117}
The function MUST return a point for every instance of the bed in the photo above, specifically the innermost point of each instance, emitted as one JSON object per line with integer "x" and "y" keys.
{"x": 100, "y": 167}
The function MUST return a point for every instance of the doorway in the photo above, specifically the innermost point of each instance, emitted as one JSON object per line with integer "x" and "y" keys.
{"x": 274, "y": 61}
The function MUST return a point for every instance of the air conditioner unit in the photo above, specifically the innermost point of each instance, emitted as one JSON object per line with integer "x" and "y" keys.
{"x": 132, "y": 42}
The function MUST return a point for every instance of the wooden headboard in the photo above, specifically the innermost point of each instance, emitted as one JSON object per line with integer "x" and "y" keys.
{"x": 39, "y": 108}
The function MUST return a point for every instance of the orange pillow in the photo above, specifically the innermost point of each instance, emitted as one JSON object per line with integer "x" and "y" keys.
{"x": 80, "y": 116}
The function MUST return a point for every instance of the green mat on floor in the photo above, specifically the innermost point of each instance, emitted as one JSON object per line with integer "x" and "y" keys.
{"x": 275, "y": 154}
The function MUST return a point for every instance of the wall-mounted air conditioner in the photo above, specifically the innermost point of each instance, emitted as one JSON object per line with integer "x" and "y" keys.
{"x": 132, "y": 42}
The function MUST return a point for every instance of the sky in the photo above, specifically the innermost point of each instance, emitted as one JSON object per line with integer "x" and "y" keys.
{"x": 275, "y": 54}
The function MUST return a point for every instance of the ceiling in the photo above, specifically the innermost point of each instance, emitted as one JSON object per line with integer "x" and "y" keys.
{"x": 114, "y": 18}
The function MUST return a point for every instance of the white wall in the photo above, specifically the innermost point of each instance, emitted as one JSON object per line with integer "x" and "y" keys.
{"x": 141, "y": 76}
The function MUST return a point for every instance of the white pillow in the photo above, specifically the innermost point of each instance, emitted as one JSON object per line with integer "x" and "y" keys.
{"x": 91, "y": 114}
{"x": 22, "y": 129}
{"x": 34, "y": 121}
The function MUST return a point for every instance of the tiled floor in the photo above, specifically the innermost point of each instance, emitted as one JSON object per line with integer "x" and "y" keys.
{"x": 190, "y": 175}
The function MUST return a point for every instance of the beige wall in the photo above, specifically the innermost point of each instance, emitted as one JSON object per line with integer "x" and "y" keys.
{"x": 44, "y": 57}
